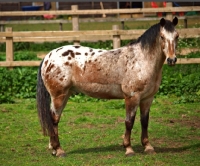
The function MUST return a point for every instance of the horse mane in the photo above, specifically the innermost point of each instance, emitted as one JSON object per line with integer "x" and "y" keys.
{"x": 148, "y": 38}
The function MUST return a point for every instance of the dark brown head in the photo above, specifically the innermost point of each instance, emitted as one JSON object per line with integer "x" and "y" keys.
{"x": 168, "y": 38}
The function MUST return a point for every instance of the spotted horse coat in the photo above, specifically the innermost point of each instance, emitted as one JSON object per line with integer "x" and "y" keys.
{"x": 132, "y": 73}
{"x": 75, "y": 66}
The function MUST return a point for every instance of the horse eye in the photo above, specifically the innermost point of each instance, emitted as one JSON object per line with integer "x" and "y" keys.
{"x": 162, "y": 37}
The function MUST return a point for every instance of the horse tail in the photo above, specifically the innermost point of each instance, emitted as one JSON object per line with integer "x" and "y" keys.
{"x": 43, "y": 105}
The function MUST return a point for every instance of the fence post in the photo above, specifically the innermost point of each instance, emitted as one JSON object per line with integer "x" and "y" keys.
{"x": 116, "y": 38}
{"x": 2, "y": 27}
{"x": 169, "y": 15}
{"x": 185, "y": 22}
{"x": 75, "y": 22}
{"x": 60, "y": 25}
{"x": 9, "y": 46}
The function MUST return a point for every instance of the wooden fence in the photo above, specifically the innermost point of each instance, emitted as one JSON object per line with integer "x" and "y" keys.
{"x": 116, "y": 35}
{"x": 75, "y": 12}
{"x": 61, "y": 22}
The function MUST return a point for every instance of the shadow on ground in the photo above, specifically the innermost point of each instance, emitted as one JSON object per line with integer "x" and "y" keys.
{"x": 137, "y": 148}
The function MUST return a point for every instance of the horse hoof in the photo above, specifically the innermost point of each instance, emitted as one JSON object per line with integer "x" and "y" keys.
{"x": 62, "y": 155}
{"x": 58, "y": 153}
{"x": 150, "y": 151}
{"x": 130, "y": 154}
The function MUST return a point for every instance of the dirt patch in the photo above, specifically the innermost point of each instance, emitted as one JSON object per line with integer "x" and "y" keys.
{"x": 119, "y": 120}
{"x": 109, "y": 156}
{"x": 193, "y": 122}
{"x": 4, "y": 110}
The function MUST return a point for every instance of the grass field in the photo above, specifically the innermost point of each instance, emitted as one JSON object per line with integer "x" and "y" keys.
{"x": 91, "y": 134}
{"x": 96, "y": 25}
{"x": 91, "y": 131}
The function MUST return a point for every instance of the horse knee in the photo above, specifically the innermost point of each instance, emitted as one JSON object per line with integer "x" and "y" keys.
{"x": 129, "y": 124}
{"x": 58, "y": 102}
{"x": 55, "y": 118}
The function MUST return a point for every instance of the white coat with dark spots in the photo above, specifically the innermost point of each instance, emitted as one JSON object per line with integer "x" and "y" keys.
{"x": 132, "y": 73}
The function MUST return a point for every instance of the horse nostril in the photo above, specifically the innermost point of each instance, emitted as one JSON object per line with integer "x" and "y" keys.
{"x": 169, "y": 60}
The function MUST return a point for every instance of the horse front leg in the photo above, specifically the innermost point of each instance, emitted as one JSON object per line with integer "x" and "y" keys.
{"x": 144, "y": 118}
{"x": 131, "y": 107}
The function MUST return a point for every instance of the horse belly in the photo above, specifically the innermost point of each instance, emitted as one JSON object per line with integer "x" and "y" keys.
{"x": 102, "y": 91}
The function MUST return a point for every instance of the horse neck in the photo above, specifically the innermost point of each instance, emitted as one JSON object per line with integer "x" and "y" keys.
{"x": 155, "y": 54}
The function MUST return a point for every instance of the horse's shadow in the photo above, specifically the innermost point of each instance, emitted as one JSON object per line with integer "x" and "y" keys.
{"x": 137, "y": 148}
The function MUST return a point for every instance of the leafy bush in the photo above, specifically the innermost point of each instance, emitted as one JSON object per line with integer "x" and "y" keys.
{"x": 25, "y": 55}
{"x": 17, "y": 83}
{"x": 20, "y": 56}
{"x": 181, "y": 80}
{"x": 189, "y": 42}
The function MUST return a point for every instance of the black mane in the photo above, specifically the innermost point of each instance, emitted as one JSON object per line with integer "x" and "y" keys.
{"x": 150, "y": 35}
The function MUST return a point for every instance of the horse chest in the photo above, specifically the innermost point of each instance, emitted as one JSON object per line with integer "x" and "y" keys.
{"x": 143, "y": 83}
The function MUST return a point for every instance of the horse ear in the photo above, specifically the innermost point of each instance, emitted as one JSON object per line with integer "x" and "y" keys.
{"x": 175, "y": 21}
{"x": 162, "y": 22}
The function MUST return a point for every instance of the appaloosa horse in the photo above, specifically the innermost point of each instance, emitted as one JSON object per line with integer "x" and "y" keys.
{"x": 132, "y": 72}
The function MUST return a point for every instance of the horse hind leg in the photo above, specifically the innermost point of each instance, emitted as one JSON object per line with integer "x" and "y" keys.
{"x": 57, "y": 105}
{"x": 144, "y": 117}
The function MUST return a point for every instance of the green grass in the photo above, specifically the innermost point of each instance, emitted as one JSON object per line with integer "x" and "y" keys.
{"x": 82, "y": 26}
{"x": 192, "y": 23}
{"x": 91, "y": 131}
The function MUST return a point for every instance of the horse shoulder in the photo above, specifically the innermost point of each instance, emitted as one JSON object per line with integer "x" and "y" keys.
{"x": 153, "y": 86}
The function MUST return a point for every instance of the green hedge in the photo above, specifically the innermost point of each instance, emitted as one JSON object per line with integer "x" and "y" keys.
{"x": 181, "y": 80}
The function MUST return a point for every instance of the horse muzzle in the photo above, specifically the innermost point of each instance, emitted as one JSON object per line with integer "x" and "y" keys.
{"x": 171, "y": 61}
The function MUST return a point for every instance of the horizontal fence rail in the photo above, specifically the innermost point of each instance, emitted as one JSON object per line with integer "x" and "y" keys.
{"x": 86, "y": 20}
{"x": 94, "y": 35}
{"x": 76, "y": 36}
{"x": 60, "y": 22}
{"x": 48, "y": 36}
{"x": 75, "y": 13}
{"x": 100, "y": 11}
{"x": 37, "y": 63}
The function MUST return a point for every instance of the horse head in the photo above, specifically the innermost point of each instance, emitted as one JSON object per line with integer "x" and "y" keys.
{"x": 169, "y": 38}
